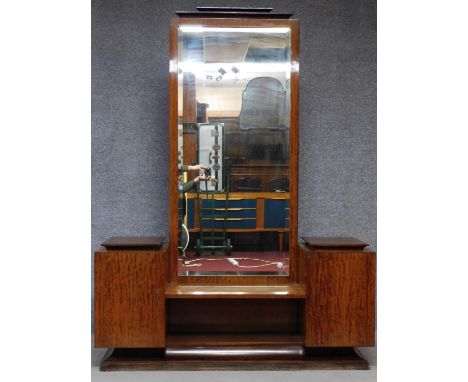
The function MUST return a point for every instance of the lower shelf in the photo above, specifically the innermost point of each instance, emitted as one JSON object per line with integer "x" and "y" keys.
{"x": 159, "y": 359}
{"x": 214, "y": 340}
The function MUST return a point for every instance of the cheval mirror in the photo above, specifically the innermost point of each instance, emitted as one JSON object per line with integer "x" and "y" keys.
{"x": 234, "y": 134}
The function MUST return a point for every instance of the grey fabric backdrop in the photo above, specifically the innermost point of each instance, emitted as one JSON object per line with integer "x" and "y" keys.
{"x": 130, "y": 110}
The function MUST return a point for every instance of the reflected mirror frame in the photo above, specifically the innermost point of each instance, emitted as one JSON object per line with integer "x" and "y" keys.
{"x": 293, "y": 25}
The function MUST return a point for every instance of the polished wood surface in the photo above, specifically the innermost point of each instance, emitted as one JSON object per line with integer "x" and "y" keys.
{"x": 234, "y": 340}
{"x": 129, "y": 304}
{"x": 260, "y": 214}
{"x": 171, "y": 263}
{"x": 153, "y": 359}
{"x": 190, "y": 151}
{"x": 340, "y": 305}
{"x": 133, "y": 242}
{"x": 189, "y": 99}
{"x": 215, "y": 316}
{"x": 235, "y": 291}
{"x": 294, "y": 147}
{"x": 337, "y": 242}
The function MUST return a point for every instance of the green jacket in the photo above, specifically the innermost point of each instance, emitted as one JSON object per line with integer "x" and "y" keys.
{"x": 191, "y": 183}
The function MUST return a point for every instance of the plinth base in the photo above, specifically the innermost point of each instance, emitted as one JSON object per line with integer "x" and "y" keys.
{"x": 241, "y": 359}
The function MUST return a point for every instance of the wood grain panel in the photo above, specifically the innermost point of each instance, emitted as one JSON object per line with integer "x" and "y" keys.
{"x": 260, "y": 213}
{"x": 154, "y": 359}
{"x": 189, "y": 99}
{"x": 294, "y": 150}
{"x": 286, "y": 291}
{"x": 190, "y": 151}
{"x": 334, "y": 243}
{"x": 340, "y": 305}
{"x": 171, "y": 265}
{"x": 234, "y": 316}
{"x": 129, "y": 305}
{"x": 234, "y": 340}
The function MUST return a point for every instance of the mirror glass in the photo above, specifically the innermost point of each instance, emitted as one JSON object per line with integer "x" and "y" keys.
{"x": 233, "y": 159}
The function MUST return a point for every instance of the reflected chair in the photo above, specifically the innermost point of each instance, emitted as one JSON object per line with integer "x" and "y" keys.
{"x": 279, "y": 185}
{"x": 248, "y": 184}
{"x": 264, "y": 119}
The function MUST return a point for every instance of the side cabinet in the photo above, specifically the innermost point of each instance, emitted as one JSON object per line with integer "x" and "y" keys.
{"x": 129, "y": 305}
{"x": 340, "y": 304}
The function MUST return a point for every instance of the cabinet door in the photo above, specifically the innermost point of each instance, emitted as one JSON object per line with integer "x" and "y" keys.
{"x": 276, "y": 213}
{"x": 129, "y": 307}
{"x": 340, "y": 309}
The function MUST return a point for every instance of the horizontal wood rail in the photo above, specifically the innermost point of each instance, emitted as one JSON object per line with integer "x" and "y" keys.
{"x": 287, "y": 291}
{"x": 184, "y": 340}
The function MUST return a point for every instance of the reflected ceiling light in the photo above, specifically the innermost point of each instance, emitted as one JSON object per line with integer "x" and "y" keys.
{"x": 222, "y": 72}
{"x": 199, "y": 29}
{"x": 191, "y": 29}
{"x": 203, "y": 69}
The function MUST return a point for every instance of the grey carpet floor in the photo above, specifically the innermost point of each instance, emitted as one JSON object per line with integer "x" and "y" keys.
{"x": 231, "y": 376}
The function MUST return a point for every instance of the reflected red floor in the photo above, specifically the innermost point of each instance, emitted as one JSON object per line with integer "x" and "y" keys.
{"x": 273, "y": 261}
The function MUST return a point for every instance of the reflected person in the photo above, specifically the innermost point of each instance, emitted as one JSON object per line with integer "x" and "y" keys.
{"x": 187, "y": 186}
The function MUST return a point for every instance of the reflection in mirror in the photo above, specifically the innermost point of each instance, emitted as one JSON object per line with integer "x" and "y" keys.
{"x": 234, "y": 173}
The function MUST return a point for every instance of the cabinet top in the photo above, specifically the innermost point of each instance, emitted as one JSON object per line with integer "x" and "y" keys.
{"x": 338, "y": 242}
{"x": 133, "y": 242}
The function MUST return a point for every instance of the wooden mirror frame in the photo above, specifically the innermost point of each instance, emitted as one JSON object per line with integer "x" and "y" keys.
{"x": 172, "y": 264}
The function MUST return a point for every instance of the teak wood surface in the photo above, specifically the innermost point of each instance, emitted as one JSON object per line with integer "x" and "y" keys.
{"x": 172, "y": 267}
{"x": 340, "y": 304}
{"x": 215, "y": 316}
{"x": 129, "y": 302}
{"x": 154, "y": 359}
{"x": 286, "y": 291}
{"x": 338, "y": 243}
{"x": 233, "y": 340}
{"x": 133, "y": 242}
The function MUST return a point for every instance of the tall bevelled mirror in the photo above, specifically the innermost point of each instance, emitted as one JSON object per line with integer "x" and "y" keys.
{"x": 233, "y": 150}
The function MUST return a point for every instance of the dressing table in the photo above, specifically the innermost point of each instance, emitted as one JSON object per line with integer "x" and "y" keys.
{"x": 233, "y": 286}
